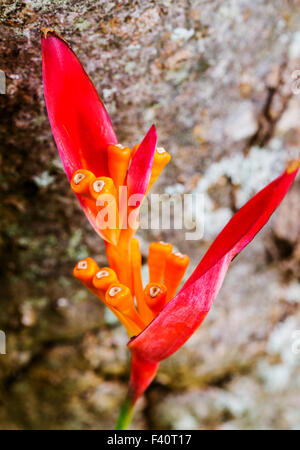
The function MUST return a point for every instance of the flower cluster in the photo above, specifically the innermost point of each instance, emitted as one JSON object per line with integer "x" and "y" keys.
{"x": 110, "y": 180}
{"x": 120, "y": 286}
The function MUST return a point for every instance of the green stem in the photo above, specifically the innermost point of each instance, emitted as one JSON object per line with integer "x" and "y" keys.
{"x": 125, "y": 415}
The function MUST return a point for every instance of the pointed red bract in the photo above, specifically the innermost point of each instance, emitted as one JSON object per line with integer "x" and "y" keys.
{"x": 139, "y": 172}
{"x": 80, "y": 123}
{"x": 185, "y": 312}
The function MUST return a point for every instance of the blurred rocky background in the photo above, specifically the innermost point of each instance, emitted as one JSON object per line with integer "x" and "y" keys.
{"x": 218, "y": 79}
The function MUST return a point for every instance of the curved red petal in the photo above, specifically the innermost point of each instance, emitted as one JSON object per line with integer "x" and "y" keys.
{"x": 80, "y": 123}
{"x": 141, "y": 165}
{"x": 182, "y": 316}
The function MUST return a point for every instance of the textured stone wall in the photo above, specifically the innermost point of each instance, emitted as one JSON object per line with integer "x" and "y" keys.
{"x": 216, "y": 78}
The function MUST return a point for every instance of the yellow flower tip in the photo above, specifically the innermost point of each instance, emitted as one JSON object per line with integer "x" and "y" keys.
{"x": 101, "y": 185}
{"x": 85, "y": 270}
{"x": 119, "y": 150}
{"x": 175, "y": 268}
{"x": 293, "y": 166}
{"x": 119, "y": 296}
{"x": 46, "y": 32}
{"x": 102, "y": 190}
{"x": 80, "y": 182}
{"x": 178, "y": 259}
{"x": 161, "y": 153}
{"x": 119, "y": 299}
{"x": 161, "y": 159}
{"x": 104, "y": 278}
{"x": 155, "y": 297}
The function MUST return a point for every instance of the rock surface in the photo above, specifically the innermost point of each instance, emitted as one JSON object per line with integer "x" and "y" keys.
{"x": 217, "y": 80}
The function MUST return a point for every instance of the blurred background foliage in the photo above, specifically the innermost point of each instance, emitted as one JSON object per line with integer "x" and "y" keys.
{"x": 215, "y": 77}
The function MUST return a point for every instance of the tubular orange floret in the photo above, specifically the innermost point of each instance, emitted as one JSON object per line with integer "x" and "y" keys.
{"x": 118, "y": 161}
{"x": 118, "y": 297}
{"x": 176, "y": 265}
{"x": 155, "y": 297}
{"x": 136, "y": 260}
{"x": 158, "y": 252}
{"x": 85, "y": 271}
{"x": 102, "y": 185}
{"x": 104, "y": 278}
{"x": 102, "y": 189}
{"x": 161, "y": 159}
{"x": 80, "y": 182}
{"x": 119, "y": 257}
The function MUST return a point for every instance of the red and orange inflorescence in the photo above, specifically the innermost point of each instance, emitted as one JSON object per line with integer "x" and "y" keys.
{"x": 111, "y": 180}
{"x": 120, "y": 286}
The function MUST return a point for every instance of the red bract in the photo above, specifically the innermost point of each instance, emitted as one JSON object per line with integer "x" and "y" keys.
{"x": 80, "y": 123}
{"x": 96, "y": 165}
{"x": 183, "y": 315}
{"x": 140, "y": 169}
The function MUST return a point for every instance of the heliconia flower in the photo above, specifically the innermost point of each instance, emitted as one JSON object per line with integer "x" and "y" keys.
{"x": 158, "y": 320}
